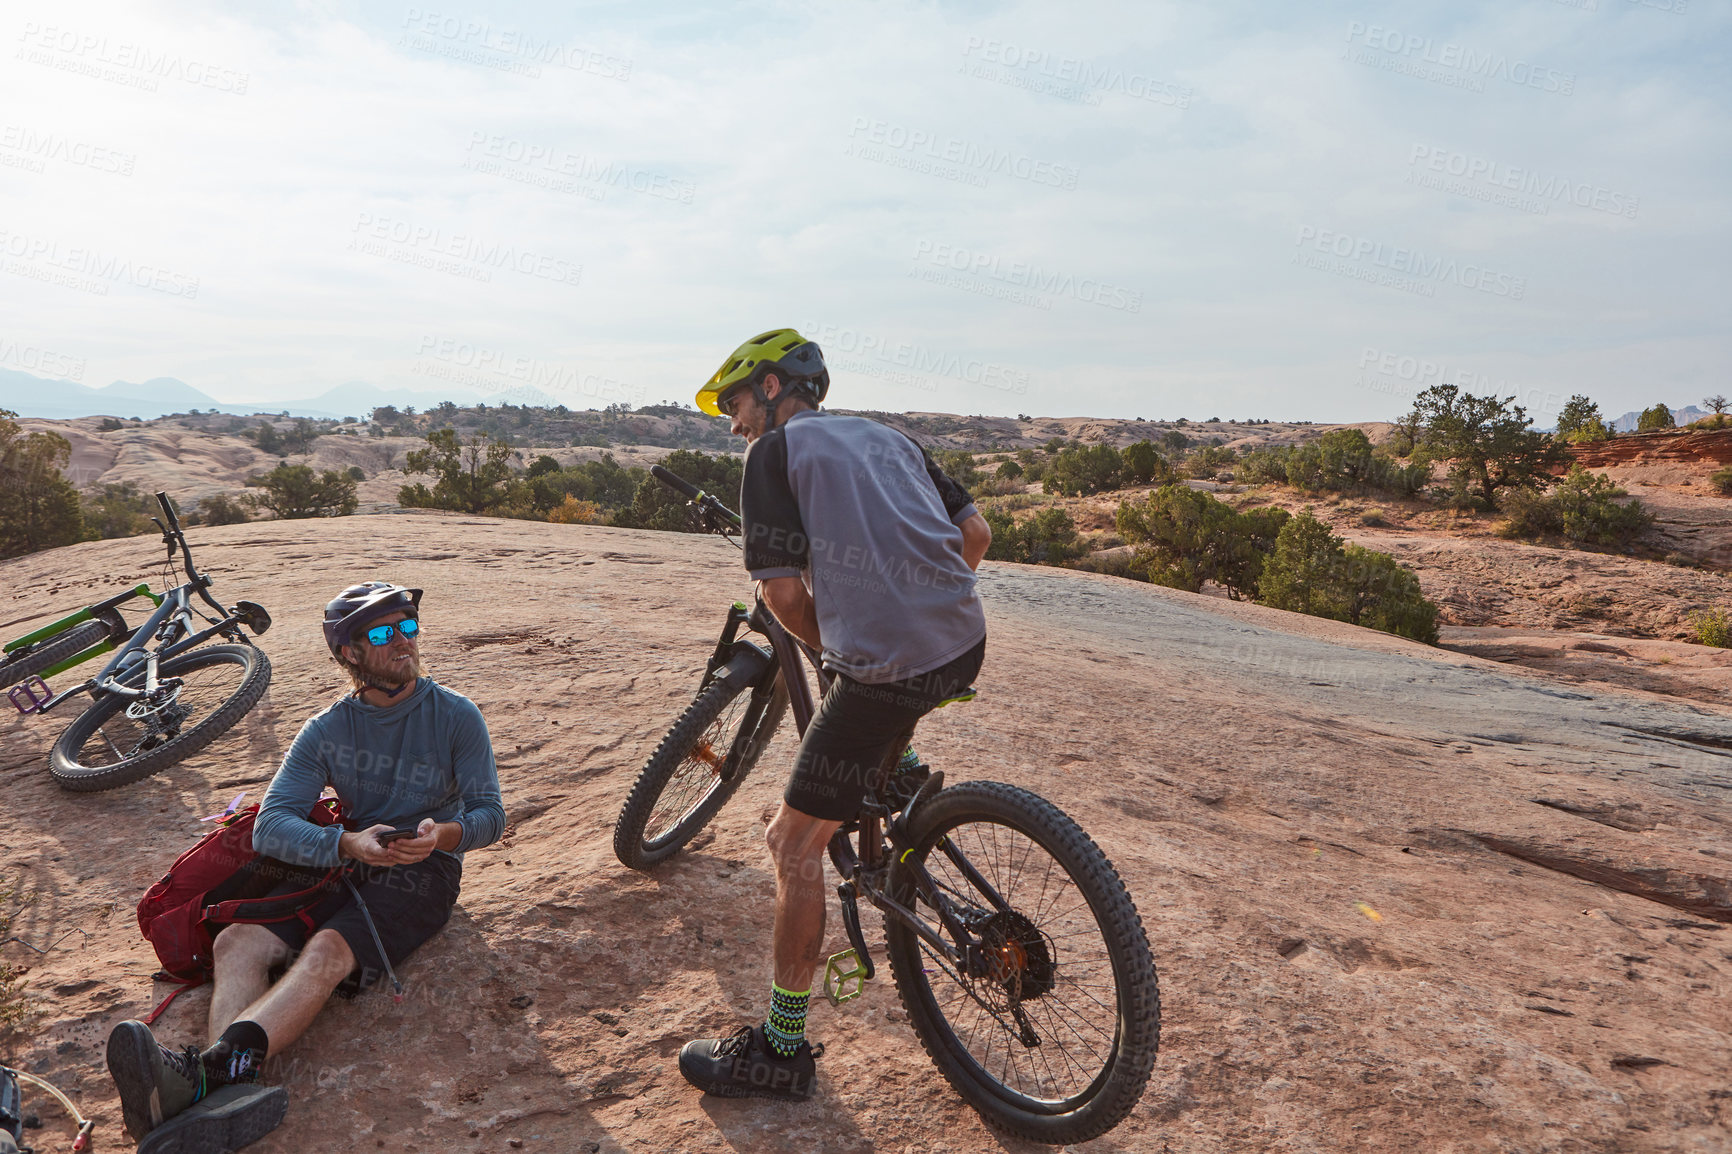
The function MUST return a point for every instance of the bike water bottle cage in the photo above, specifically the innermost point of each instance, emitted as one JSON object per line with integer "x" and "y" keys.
{"x": 381, "y": 634}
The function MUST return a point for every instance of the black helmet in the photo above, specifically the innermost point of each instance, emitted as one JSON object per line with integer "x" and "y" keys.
{"x": 359, "y": 604}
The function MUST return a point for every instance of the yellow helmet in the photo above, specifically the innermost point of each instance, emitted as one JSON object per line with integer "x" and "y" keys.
{"x": 799, "y": 359}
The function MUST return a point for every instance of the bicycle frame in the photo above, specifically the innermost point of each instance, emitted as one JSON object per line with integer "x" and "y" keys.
{"x": 866, "y": 871}
{"x": 170, "y": 625}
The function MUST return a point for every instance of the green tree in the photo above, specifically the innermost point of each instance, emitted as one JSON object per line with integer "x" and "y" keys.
{"x": 1144, "y": 465}
{"x": 603, "y": 483}
{"x": 1008, "y": 471}
{"x": 267, "y": 438}
{"x": 1079, "y": 471}
{"x": 959, "y": 465}
{"x": 1658, "y": 417}
{"x": 294, "y": 492}
{"x": 1312, "y": 571}
{"x": 472, "y": 475}
{"x": 543, "y": 464}
{"x": 117, "y": 510}
{"x": 39, "y": 508}
{"x": 655, "y": 506}
{"x": 1580, "y": 422}
{"x": 1382, "y": 594}
{"x": 1185, "y": 537}
{"x": 300, "y": 438}
{"x": 1486, "y": 441}
{"x": 1049, "y": 537}
{"x": 1174, "y": 439}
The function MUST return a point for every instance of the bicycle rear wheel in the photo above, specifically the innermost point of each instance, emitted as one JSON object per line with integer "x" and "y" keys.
{"x": 117, "y": 740}
{"x": 1053, "y": 1036}
{"x": 696, "y": 769}
{"x": 51, "y": 651}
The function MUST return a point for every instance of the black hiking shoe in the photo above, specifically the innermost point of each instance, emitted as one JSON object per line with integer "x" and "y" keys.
{"x": 743, "y": 1066}
{"x": 227, "y": 1119}
{"x": 155, "y": 1083}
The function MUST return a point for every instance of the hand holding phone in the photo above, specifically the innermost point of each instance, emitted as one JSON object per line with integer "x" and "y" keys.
{"x": 389, "y": 836}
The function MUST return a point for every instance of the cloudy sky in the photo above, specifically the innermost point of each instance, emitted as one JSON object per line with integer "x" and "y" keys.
{"x": 1143, "y": 209}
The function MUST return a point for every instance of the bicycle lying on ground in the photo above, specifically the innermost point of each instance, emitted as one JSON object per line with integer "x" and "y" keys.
{"x": 1015, "y": 947}
{"x": 159, "y": 700}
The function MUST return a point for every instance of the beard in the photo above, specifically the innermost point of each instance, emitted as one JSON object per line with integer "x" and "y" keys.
{"x": 379, "y": 669}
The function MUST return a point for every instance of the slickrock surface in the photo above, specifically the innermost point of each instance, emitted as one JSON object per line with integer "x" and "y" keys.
{"x": 1547, "y": 863}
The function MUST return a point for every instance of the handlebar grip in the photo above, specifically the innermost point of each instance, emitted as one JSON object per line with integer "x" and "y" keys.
{"x": 168, "y": 511}
{"x": 674, "y": 481}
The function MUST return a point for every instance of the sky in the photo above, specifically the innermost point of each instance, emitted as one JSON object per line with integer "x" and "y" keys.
{"x": 1242, "y": 209}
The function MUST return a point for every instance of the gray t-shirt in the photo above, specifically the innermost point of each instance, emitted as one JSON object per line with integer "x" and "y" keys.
{"x": 427, "y": 755}
{"x": 865, "y": 516}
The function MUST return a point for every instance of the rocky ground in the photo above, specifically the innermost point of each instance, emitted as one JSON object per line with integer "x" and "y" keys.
{"x": 1401, "y": 899}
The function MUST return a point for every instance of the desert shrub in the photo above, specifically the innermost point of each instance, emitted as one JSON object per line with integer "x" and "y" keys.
{"x": 1208, "y": 461}
{"x": 605, "y": 483}
{"x": 1048, "y": 537}
{"x": 471, "y": 475}
{"x": 223, "y": 509}
{"x": 1113, "y": 565}
{"x": 1722, "y": 481}
{"x": 1312, "y": 571}
{"x": 655, "y": 506}
{"x": 1486, "y": 441}
{"x": 1582, "y": 508}
{"x": 959, "y": 466}
{"x": 1081, "y": 470}
{"x": 991, "y": 485}
{"x": 1713, "y": 627}
{"x": 294, "y": 492}
{"x": 1009, "y": 471}
{"x": 117, "y": 509}
{"x": 1185, "y": 537}
{"x": 573, "y": 511}
{"x": 267, "y": 438}
{"x": 356, "y": 473}
{"x": 1033, "y": 465}
{"x": 1264, "y": 466}
{"x": 1580, "y": 422}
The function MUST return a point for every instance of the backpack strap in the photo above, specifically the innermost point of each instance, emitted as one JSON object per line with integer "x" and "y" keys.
{"x": 184, "y": 985}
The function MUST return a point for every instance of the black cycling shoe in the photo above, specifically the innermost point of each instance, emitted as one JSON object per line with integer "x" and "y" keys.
{"x": 742, "y": 1065}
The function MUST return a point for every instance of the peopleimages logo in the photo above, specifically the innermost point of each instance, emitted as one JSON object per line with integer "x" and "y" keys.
{"x": 1362, "y": 258}
{"x": 1067, "y": 77}
{"x": 904, "y": 147}
{"x": 561, "y": 170}
{"x": 40, "y": 147}
{"x": 907, "y": 362}
{"x": 460, "y": 362}
{"x": 131, "y": 65}
{"x": 1481, "y": 178}
{"x": 457, "y": 253}
{"x": 508, "y": 49}
{"x": 1019, "y": 277}
{"x": 87, "y": 269}
{"x": 1416, "y": 54}
{"x": 36, "y": 359}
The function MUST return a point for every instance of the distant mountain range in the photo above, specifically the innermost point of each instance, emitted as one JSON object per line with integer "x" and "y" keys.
{"x": 1683, "y": 416}
{"x": 32, "y": 396}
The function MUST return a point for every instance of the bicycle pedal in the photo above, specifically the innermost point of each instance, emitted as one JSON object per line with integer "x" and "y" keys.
{"x": 31, "y": 702}
{"x": 842, "y": 969}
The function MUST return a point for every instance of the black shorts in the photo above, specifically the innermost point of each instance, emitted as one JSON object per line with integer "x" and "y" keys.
{"x": 409, "y": 904}
{"x": 858, "y": 727}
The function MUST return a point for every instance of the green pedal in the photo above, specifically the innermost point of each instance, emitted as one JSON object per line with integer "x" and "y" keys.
{"x": 842, "y": 969}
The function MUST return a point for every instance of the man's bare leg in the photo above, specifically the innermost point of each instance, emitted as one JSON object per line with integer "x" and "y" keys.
{"x": 797, "y": 842}
{"x": 244, "y": 958}
{"x": 286, "y": 1009}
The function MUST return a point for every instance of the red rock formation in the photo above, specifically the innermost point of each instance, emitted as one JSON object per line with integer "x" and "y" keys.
{"x": 1705, "y": 445}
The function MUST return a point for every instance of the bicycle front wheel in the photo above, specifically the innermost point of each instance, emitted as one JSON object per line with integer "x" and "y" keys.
{"x": 696, "y": 769}
{"x": 1052, "y": 1032}
{"x": 120, "y": 740}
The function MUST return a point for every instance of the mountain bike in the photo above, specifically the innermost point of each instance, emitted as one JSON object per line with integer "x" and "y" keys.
{"x": 1013, "y": 943}
{"x": 163, "y": 696}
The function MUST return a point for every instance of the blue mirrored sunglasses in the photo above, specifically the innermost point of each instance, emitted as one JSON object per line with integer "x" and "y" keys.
{"x": 382, "y": 634}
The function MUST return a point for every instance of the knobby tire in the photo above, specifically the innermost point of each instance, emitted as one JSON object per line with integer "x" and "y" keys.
{"x": 1046, "y": 1092}
{"x": 693, "y": 754}
{"x": 51, "y": 651}
{"x": 75, "y": 762}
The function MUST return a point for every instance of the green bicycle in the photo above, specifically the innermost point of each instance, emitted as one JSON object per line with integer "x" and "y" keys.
{"x": 162, "y": 697}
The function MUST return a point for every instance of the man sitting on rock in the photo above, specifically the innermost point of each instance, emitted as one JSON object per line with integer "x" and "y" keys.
{"x": 413, "y": 766}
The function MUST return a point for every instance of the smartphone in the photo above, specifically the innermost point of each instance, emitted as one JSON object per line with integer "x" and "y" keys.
{"x": 398, "y": 835}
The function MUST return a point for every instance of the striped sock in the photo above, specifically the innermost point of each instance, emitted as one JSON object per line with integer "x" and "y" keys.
{"x": 785, "y": 1028}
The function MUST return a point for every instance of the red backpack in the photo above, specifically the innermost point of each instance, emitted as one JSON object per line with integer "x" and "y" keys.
{"x": 222, "y": 881}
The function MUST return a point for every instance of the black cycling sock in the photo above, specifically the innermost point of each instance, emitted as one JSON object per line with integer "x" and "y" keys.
{"x": 237, "y": 1056}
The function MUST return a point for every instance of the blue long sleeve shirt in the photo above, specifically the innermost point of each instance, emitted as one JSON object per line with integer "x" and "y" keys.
{"x": 425, "y": 756}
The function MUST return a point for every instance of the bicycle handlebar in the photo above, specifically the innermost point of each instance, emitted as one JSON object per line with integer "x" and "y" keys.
{"x": 707, "y": 504}
{"x": 174, "y": 535}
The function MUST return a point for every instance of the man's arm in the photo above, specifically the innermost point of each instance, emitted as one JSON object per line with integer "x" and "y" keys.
{"x": 976, "y": 539}
{"x": 791, "y": 602}
{"x": 282, "y": 830}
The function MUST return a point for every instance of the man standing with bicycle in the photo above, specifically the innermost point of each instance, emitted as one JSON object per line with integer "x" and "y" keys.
{"x": 413, "y": 766}
{"x": 864, "y": 549}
